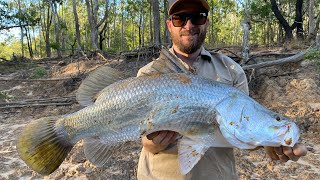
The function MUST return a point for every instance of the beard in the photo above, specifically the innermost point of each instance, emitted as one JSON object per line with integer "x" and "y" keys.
{"x": 195, "y": 40}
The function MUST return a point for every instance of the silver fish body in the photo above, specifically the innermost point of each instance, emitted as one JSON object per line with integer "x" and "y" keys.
{"x": 201, "y": 110}
{"x": 136, "y": 107}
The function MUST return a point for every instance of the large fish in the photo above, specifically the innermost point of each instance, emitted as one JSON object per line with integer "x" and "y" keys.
{"x": 206, "y": 113}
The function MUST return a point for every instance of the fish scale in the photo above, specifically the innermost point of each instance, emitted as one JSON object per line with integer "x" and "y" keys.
{"x": 204, "y": 112}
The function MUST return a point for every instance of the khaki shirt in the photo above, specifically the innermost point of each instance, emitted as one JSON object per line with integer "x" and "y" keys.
{"x": 217, "y": 163}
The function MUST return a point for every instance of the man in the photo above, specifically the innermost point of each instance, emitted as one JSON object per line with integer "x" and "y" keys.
{"x": 158, "y": 160}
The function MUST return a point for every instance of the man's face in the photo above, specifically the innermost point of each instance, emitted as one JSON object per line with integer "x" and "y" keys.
{"x": 189, "y": 37}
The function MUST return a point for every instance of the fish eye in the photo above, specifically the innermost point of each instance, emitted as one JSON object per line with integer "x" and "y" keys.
{"x": 278, "y": 118}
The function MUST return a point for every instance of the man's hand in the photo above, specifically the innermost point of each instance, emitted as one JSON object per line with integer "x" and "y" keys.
{"x": 284, "y": 154}
{"x": 158, "y": 141}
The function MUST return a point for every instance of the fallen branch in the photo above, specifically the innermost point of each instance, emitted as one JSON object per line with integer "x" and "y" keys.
{"x": 56, "y": 101}
{"x": 224, "y": 49}
{"x": 4, "y": 59}
{"x": 49, "y": 79}
{"x": 296, "y": 58}
{"x": 141, "y": 51}
{"x": 36, "y": 105}
{"x": 272, "y": 54}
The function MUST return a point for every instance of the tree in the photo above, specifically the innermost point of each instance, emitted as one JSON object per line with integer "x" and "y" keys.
{"x": 156, "y": 22}
{"x": 166, "y": 36}
{"x": 93, "y": 14}
{"x": 298, "y": 23}
{"x": 56, "y": 23}
{"x": 46, "y": 21}
{"x": 21, "y": 27}
{"x": 77, "y": 26}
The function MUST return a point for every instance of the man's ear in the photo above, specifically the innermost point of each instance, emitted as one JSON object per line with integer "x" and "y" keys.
{"x": 169, "y": 24}
{"x": 207, "y": 22}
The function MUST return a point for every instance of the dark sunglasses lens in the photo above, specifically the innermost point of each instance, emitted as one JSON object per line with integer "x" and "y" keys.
{"x": 181, "y": 19}
{"x": 178, "y": 20}
{"x": 198, "y": 19}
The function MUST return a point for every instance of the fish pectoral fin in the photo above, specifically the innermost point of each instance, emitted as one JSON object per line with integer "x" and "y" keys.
{"x": 190, "y": 152}
{"x": 97, "y": 152}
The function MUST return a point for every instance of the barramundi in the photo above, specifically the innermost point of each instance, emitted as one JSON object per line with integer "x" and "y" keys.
{"x": 204, "y": 112}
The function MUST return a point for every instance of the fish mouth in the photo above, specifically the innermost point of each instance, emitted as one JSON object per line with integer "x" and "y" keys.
{"x": 290, "y": 135}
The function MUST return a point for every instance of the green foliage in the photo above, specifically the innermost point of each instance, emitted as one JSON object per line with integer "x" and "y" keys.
{"x": 54, "y": 45}
{"x": 224, "y": 27}
{"x": 39, "y": 72}
{"x": 8, "y": 49}
{"x": 261, "y": 9}
{"x": 314, "y": 56}
{"x": 5, "y": 96}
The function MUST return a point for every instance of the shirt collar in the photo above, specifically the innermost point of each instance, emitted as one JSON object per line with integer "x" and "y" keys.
{"x": 205, "y": 55}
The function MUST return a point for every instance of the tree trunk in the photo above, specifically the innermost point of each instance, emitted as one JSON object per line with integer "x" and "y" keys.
{"x": 142, "y": 29}
{"x": 122, "y": 27}
{"x": 35, "y": 42}
{"x": 104, "y": 21}
{"x": 133, "y": 33}
{"x": 56, "y": 27}
{"x": 212, "y": 38}
{"x": 77, "y": 26}
{"x": 299, "y": 20}
{"x": 114, "y": 22}
{"x": 267, "y": 31}
{"x": 156, "y": 24}
{"x": 282, "y": 21}
{"x": 245, "y": 52}
{"x": 246, "y": 31}
{"x": 29, "y": 43}
{"x": 140, "y": 26}
{"x": 166, "y": 31}
{"x": 271, "y": 33}
{"x": 317, "y": 25}
{"x": 150, "y": 22}
{"x": 311, "y": 17}
{"x": 92, "y": 10}
{"x": 318, "y": 42}
{"x": 46, "y": 25}
{"x": 21, "y": 28}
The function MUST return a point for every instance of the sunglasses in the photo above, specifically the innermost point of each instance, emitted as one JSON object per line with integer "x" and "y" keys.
{"x": 180, "y": 20}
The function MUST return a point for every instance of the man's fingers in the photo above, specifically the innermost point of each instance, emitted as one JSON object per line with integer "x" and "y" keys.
{"x": 271, "y": 153}
{"x": 287, "y": 151}
{"x": 159, "y": 137}
{"x": 283, "y": 158}
{"x": 299, "y": 150}
{"x": 152, "y": 135}
{"x": 167, "y": 138}
{"x": 284, "y": 154}
{"x": 174, "y": 137}
{"x": 278, "y": 150}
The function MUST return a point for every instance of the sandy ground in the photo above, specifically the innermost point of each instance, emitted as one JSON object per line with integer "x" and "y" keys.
{"x": 291, "y": 89}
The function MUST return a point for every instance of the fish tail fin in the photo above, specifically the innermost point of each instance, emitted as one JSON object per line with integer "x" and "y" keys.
{"x": 42, "y": 147}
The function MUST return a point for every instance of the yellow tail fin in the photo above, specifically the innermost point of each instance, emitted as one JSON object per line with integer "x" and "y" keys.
{"x": 41, "y": 147}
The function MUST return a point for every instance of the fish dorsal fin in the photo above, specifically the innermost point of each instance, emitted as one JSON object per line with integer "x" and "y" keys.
{"x": 97, "y": 152}
{"x": 95, "y": 82}
{"x": 190, "y": 152}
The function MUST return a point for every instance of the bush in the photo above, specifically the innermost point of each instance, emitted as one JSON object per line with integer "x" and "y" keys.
{"x": 314, "y": 56}
{"x": 5, "y": 96}
{"x": 39, "y": 72}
